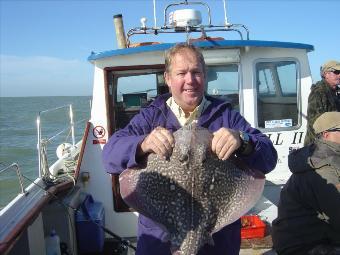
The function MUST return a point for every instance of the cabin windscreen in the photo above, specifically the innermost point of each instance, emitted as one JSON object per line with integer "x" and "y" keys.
{"x": 277, "y": 94}
{"x": 135, "y": 89}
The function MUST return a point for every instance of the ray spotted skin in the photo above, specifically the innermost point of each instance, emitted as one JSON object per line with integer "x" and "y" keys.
{"x": 192, "y": 194}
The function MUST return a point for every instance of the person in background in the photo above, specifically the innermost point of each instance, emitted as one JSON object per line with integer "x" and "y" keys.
{"x": 151, "y": 130}
{"x": 324, "y": 96}
{"x": 308, "y": 219}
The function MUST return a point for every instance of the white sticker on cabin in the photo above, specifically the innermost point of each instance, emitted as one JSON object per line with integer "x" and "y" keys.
{"x": 278, "y": 123}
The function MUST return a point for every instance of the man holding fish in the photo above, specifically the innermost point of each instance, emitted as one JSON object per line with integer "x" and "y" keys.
{"x": 151, "y": 131}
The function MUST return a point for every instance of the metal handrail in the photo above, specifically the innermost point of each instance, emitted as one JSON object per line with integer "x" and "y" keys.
{"x": 40, "y": 145}
{"x": 192, "y": 29}
{"x": 204, "y": 29}
{"x": 18, "y": 174}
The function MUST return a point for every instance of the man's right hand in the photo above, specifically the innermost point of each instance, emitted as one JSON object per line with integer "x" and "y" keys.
{"x": 160, "y": 141}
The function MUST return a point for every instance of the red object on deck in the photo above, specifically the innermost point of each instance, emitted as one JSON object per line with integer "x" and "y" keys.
{"x": 252, "y": 227}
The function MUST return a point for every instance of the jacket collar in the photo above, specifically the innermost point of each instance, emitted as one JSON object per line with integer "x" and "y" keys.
{"x": 327, "y": 153}
{"x": 215, "y": 106}
{"x": 319, "y": 154}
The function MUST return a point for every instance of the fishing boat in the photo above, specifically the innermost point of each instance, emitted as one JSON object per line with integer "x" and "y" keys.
{"x": 268, "y": 82}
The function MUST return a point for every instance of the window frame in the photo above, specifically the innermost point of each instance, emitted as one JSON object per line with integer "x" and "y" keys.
{"x": 111, "y": 76}
{"x": 298, "y": 93}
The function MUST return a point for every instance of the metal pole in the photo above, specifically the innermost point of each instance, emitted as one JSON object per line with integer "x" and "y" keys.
{"x": 39, "y": 143}
{"x": 72, "y": 126}
{"x": 154, "y": 13}
{"x": 226, "y": 23}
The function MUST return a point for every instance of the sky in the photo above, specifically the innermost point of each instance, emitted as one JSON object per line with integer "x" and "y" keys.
{"x": 44, "y": 44}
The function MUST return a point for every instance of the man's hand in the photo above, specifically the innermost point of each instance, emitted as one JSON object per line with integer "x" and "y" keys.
{"x": 159, "y": 141}
{"x": 225, "y": 141}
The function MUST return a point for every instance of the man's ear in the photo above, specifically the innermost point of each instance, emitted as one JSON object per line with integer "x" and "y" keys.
{"x": 325, "y": 135}
{"x": 167, "y": 79}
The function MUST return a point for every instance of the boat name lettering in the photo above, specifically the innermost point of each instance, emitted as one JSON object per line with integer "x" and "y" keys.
{"x": 277, "y": 138}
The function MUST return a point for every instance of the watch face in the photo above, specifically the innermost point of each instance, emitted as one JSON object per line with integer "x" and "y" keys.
{"x": 244, "y": 136}
{"x": 245, "y": 147}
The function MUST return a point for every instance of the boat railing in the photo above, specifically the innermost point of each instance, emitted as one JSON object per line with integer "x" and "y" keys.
{"x": 240, "y": 29}
{"x": 17, "y": 170}
{"x": 42, "y": 141}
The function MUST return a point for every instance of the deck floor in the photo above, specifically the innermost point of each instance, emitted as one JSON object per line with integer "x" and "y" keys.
{"x": 255, "y": 246}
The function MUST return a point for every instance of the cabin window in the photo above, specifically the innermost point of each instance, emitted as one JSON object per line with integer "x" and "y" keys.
{"x": 130, "y": 92}
{"x": 277, "y": 103}
{"x": 223, "y": 83}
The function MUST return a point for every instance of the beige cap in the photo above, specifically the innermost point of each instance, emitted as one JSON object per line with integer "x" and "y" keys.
{"x": 330, "y": 65}
{"x": 327, "y": 121}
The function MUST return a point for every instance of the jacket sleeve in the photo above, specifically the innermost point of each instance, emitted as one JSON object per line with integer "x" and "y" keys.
{"x": 120, "y": 151}
{"x": 264, "y": 156}
{"x": 316, "y": 105}
{"x": 326, "y": 189}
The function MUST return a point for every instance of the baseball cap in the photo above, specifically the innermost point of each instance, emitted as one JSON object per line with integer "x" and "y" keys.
{"x": 327, "y": 121}
{"x": 330, "y": 65}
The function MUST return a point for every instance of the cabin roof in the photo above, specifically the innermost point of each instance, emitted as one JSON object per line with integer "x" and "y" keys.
{"x": 202, "y": 44}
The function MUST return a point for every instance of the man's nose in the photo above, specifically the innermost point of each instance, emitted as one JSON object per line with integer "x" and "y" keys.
{"x": 189, "y": 77}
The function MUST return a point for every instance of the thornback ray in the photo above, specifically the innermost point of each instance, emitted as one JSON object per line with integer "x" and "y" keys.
{"x": 193, "y": 194}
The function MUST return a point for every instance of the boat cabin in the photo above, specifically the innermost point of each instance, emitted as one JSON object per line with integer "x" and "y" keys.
{"x": 268, "y": 82}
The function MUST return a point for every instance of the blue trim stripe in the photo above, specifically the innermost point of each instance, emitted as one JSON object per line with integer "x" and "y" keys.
{"x": 203, "y": 44}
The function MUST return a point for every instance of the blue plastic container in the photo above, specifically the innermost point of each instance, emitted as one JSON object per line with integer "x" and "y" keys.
{"x": 90, "y": 236}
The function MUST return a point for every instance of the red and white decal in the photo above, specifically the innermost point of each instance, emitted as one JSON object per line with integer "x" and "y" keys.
{"x": 99, "y": 141}
{"x": 98, "y": 132}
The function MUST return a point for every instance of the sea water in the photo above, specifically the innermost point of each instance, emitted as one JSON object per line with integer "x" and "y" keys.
{"x": 18, "y": 134}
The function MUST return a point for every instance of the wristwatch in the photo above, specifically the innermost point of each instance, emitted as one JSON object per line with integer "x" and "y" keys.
{"x": 246, "y": 145}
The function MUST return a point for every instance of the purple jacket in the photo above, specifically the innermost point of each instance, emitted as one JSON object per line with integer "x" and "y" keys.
{"x": 120, "y": 153}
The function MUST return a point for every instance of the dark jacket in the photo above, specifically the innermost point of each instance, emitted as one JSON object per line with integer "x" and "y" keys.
{"x": 120, "y": 153}
{"x": 321, "y": 99}
{"x": 309, "y": 206}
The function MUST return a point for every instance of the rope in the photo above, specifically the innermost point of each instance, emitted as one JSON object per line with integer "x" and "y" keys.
{"x": 44, "y": 161}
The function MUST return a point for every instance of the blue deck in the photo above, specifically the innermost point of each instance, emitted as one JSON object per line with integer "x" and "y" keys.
{"x": 202, "y": 44}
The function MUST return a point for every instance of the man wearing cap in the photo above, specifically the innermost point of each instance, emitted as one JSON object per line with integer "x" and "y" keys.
{"x": 308, "y": 219}
{"x": 324, "y": 96}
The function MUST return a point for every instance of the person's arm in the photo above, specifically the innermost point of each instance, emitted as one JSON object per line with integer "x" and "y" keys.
{"x": 128, "y": 147}
{"x": 263, "y": 155}
{"x": 325, "y": 188}
{"x": 121, "y": 149}
{"x": 316, "y": 105}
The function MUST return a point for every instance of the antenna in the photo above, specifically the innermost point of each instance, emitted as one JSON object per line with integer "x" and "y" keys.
{"x": 226, "y": 23}
{"x": 154, "y": 13}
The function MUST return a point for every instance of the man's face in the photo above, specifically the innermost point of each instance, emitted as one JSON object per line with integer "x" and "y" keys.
{"x": 186, "y": 80}
{"x": 332, "y": 78}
